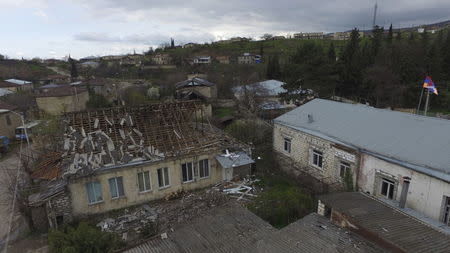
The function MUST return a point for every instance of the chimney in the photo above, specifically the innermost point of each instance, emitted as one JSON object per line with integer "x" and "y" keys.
{"x": 404, "y": 195}
{"x": 310, "y": 118}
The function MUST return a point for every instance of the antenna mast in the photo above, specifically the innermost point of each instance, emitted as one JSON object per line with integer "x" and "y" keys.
{"x": 375, "y": 14}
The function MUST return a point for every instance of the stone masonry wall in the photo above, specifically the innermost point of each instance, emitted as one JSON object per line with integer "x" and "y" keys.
{"x": 302, "y": 145}
{"x": 59, "y": 206}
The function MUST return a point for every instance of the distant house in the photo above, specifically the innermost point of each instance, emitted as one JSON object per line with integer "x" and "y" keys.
{"x": 198, "y": 86}
{"x": 248, "y": 58}
{"x": 202, "y": 60}
{"x": 131, "y": 60}
{"x": 381, "y": 152}
{"x": 279, "y": 37}
{"x": 190, "y": 45}
{"x": 62, "y": 99}
{"x": 8, "y": 120}
{"x": 161, "y": 59}
{"x": 344, "y": 35}
{"x": 57, "y": 78}
{"x": 223, "y": 59}
{"x": 309, "y": 36}
{"x": 16, "y": 85}
{"x": 89, "y": 64}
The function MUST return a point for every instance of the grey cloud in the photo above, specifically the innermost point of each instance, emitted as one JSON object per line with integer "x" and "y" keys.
{"x": 146, "y": 39}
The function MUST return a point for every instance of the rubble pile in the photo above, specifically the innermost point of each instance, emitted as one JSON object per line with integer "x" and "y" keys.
{"x": 135, "y": 220}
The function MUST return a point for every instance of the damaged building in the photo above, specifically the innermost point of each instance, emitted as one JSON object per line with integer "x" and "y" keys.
{"x": 120, "y": 157}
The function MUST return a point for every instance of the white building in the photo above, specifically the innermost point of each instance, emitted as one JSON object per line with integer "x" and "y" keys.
{"x": 396, "y": 157}
{"x": 202, "y": 60}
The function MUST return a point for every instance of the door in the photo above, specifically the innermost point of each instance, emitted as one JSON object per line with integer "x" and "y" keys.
{"x": 228, "y": 174}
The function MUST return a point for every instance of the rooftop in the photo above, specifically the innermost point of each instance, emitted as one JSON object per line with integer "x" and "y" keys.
{"x": 387, "y": 224}
{"x": 263, "y": 88}
{"x": 4, "y": 92}
{"x": 230, "y": 160}
{"x": 194, "y": 82}
{"x": 235, "y": 229}
{"x": 17, "y": 81}
{"x": 60, "y": 91}
{"x": 417, "y": 142}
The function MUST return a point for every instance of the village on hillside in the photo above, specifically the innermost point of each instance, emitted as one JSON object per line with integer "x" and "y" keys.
{"x": 314, "y": 142}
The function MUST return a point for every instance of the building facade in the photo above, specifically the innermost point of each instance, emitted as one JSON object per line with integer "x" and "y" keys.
{"x": 403, "y": 166}
{"x": 57, "y": 101}
{"x": 309, "y": 36}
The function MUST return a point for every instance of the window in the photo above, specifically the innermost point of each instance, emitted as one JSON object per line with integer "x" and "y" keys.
{"x": 8, "y": 120}
{"x": 446, "y": 216}
{"x": 94, "y": 191}
{"x": 387, "y": 188}
{"x": 343, "y": 168}
{"x": 287, "y": 145}
{"x": 116, "y": 187}
{"x": 317, "y": 158}
{"x": 163, "y": 177}
{"x": 144, "y": 181}
{"x": 187, "y": 171}
{"x": 203, "y": 166}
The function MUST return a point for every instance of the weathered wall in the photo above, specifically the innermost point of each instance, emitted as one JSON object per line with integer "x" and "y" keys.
{"x": 59, "y": 207}
{"x": 302, "y": 145}
{"x": 207, "y": 91}
{"x": 59, "y": 105}
{"x": 81, "y": 206}
{"x": 9, "y": 129}
{"x": 425, "y": 193}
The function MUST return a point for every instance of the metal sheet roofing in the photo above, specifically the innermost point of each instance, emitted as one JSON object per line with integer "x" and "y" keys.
{"x": 194, "y": 82}
{"x": 235, "y": 229}
{"x": 234, "y": 160}
{"x": 407, "y": 138}
{"x": 389, "y": 224}
{"x": 4, "y": 92}
{"x": 17, "y": 81}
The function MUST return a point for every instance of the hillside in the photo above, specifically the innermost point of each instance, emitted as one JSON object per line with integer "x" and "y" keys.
{"x": 26, "y": 70}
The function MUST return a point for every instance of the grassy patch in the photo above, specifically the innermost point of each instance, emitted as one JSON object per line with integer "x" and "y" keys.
{"x": 223, "y": 111}
{"x": 282, "y": 202}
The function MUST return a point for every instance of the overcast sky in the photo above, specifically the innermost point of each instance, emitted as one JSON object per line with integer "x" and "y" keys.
{"x": 55, "y": 28}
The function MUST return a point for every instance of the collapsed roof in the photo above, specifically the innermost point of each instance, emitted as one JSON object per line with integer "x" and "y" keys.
{"x": 124, "y": 136}
{"x": 194, "y": 82}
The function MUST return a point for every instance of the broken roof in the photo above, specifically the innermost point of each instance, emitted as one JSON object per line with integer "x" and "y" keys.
{"x": 417, "y": 142}
{"x": 235, "y": 229}
{"x": 231, "y": 160}
{"x": 125, "y": 136}
{"x": 386, "y": 223}
{"x": 194, "y": 82}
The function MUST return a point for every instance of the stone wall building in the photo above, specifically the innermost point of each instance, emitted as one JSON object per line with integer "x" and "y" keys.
{"x": 9, "y": 120}
{"x": 121, "y": 157}
{"x": 387, "y": 152}
{"x": 62, "y": 99}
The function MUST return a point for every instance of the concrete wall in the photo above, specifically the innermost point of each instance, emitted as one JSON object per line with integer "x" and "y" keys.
{"x": 6, "y": 129}
{"x": 425, "y": 193}
{"x": 60, "y": 105}
{"x": 302, "y": 145}
{"x": 80, "y": 203}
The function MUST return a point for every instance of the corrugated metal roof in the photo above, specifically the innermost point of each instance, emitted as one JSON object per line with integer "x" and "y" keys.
{"x": 234, "y": 160}
{"x": 235, "y": 229}
{"x": 409, "y": 138}
{"x": 387, "y": 223}
{"x": 17, "y": 81}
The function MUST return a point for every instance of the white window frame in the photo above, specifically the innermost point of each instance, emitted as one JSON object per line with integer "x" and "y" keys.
{"x": 287, "y": 144}
{"x": 318, "y": 153}
{"x": 344, "y": 165}
{"x": 200, "y": 168}
{"x": 187, "y": 174}
{"x": 117, "y": 192}
{"x": 90, "y": 186}
{"x": 146, "y": 188}
{"x": 390, "y": 187}
{"x": 163, "y": 176}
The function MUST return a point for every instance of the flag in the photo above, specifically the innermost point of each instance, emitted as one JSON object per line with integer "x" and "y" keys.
{"x": 429, "y": 84}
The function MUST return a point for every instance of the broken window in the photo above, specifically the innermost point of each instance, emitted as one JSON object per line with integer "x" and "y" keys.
{"x": 187, "y": 172}
{"x": 287, "y": 145}
{"x": 94, "y": 191}
{"x": 343, "y": 168}
{"x": 317, "y": 158}
{"x": 446, "y": 216}
{"x": 387, "y": 188}
{"x": 116, "y": 187}
{"x": 8, "y": 120}
{"x": 144, "y": 181}
{"x": 203, "y": 166}
{"x": 163, "y": 177}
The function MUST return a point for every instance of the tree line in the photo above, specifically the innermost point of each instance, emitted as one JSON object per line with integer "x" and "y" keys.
{"x": 384, "y": 69}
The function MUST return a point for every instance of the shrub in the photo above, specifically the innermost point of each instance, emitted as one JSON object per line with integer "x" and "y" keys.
{"x": 84, "y": 238}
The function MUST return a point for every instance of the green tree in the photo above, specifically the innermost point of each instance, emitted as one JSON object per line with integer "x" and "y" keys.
{"x": 377, "y": 37}
{"x": 399, "y": 36}
{"x": 349, "y": 66}
{"x": 390, "y": 35}
{"x": 172, "y": 43}
{"x": 273, "y": 68}
{"x": 73, "y": 68}
{"x": 97, "y": 101}
{"x": 331, "y": 53}
{"x": 83, "y": 239}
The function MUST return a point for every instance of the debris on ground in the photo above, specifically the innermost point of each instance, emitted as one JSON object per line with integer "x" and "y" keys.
{"x": 240, "y": 190}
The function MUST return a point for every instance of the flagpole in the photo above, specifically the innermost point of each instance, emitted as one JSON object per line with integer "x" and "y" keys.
{"x": 420, "y": 102}
{"x": 427, "y": 101}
